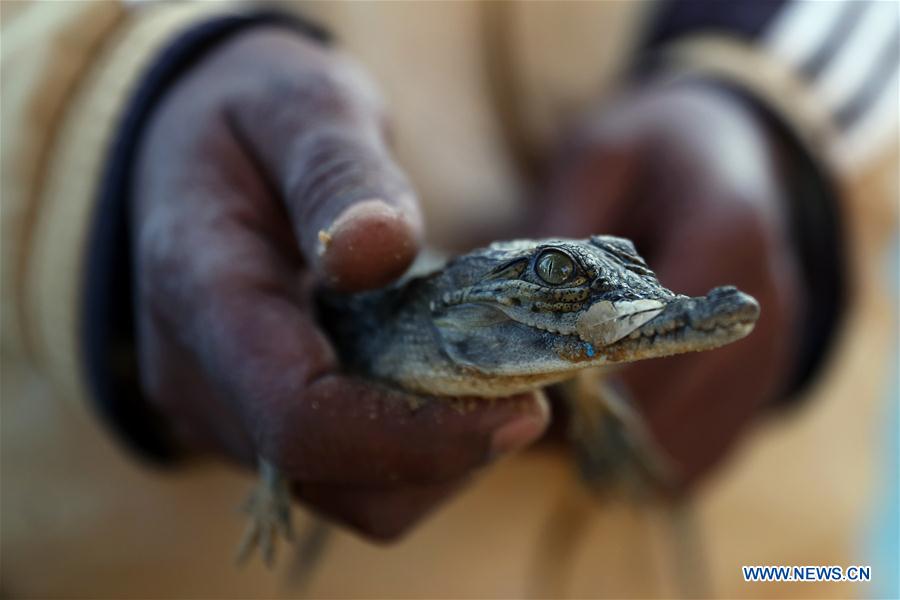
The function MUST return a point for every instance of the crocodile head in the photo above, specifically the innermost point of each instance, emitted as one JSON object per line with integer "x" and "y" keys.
{"x": 535, "y": 310}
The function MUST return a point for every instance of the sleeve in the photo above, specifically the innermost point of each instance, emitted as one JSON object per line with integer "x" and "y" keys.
{"x": 79, "y": 80}
{"x": 832, "y": 67}
{"x": 823, "y": 75}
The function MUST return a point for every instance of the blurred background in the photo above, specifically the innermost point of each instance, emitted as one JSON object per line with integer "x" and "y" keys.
{"x": 815, "y": 484}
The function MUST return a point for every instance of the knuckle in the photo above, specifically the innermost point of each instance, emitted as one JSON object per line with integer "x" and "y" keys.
{"x": 156, "y": 259}
{"x": 316, "y": 92}
{"x": 333, "y": 89}
{"x": 277, "y": 65}
{"x": 351, "y": 77}
{"x": 291, "y": 101}
{"x": 330, "y": 165}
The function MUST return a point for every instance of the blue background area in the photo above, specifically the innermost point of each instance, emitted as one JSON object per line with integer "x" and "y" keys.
{"x": 884, "y": 539}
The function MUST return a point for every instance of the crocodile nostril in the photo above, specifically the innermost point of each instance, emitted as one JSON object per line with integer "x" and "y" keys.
{"x": 732, "y": 304}
{"x": 749, "y": 307}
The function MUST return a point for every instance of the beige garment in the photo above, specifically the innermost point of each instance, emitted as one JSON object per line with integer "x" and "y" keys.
{"x": 81, "y": 519}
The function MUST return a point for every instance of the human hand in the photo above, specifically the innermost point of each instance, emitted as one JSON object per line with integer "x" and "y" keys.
{"x": 265, "y": 143}
{"x": 690, "y": 175}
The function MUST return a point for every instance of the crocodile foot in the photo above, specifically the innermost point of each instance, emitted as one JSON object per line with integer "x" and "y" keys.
{"x": 612, "y": 444}
{"x": 269, "y": 510}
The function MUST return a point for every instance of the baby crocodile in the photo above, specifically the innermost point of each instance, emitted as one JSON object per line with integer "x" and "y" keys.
{"x": 517, "y": 316}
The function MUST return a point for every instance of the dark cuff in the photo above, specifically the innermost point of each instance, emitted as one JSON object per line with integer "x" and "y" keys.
{"x": 108, "y": 328}
{"x": 745, "y": 19}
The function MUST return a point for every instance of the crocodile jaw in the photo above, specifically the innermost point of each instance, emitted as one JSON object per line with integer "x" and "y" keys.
{"x": 513, "y": 357}
{"x": 687, "y": 324}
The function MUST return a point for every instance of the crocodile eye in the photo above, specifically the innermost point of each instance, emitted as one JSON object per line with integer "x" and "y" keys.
{"x": 555, "y": 267}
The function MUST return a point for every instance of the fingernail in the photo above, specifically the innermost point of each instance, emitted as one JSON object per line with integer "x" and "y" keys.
{"x": 368, "y": 245}
{"x": 523, "y": 430}
{"x": 515, "y": 435}
{"x": 347, "y": 221}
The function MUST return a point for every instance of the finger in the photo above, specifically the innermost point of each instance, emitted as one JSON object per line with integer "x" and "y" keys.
{"x": 699, "y": 405}
{"x": 348, "y": 431}
{"x": 317, "y": 128}
{"x": 382, "y": 514}
{"x": 713, "y": 407}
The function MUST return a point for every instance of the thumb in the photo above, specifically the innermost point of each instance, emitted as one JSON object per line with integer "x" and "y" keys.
{"x": 319, "y": 135}
{"x": 353, "y": 211}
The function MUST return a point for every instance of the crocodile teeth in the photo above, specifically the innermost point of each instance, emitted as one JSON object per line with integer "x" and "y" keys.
{"x": 607, "y": 322}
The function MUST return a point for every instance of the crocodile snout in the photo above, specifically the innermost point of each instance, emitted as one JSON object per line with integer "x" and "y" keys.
{"x": 730, "y": 304}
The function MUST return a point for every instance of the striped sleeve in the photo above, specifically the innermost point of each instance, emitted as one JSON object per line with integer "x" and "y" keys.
{"x": 849, "y": 52}
{"x": 831, "y": 67}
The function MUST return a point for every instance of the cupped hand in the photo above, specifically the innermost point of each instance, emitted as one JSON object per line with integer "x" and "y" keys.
{"x": 264, "y": 172}
{"x": 690, "y": 174}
